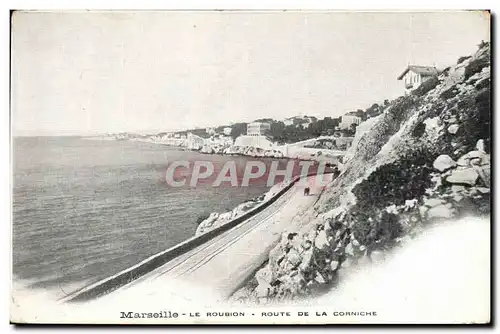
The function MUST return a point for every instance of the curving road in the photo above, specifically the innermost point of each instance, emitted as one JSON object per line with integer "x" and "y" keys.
{"x": 221, "y": 265}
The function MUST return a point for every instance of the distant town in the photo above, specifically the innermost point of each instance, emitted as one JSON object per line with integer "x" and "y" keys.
{"x": 294, "y": 137}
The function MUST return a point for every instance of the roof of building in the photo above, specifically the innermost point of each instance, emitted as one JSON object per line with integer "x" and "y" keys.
{"x": 422, "y": 70}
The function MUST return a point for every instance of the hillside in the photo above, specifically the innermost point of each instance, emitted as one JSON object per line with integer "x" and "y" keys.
{"x": 426, "y": 158}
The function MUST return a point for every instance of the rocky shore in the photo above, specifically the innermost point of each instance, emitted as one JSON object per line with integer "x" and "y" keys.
{"x": 424, "y": 160}
{"x": 216, "y": 219}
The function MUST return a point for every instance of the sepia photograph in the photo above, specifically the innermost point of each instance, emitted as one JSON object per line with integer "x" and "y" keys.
{"x": 174, "y": 167}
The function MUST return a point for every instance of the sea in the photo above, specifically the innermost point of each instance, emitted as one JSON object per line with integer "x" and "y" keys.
{"x": 86, "y": 209}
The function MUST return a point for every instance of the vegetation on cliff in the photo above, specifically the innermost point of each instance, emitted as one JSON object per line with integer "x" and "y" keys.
{"x": 424, "y": 159}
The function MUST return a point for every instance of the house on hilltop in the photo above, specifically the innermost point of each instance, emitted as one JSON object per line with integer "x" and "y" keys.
{"x": 414, "y": 75}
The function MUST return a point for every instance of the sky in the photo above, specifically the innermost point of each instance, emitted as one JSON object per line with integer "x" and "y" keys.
{"x": 94, "y": 72}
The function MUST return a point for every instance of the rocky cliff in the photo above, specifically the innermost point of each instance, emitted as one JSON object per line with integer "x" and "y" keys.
{"x": 424, "y": 159}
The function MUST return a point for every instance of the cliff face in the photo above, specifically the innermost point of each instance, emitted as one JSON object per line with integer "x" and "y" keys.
{"x": 424, "y": 159}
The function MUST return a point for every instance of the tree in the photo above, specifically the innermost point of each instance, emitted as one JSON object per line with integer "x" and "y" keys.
{"x": 238, "y": 129}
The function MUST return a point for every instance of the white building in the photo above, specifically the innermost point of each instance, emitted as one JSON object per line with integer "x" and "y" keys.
{"x": 227, "y": 131}
{"x": 210, "y": 131}
{"x": 254, "y": 141}
{"x": 348, "y": 120}
{"x": 413, "y": 76}
{"x": 257, "y": 128}
{"x": 288, "y": 121}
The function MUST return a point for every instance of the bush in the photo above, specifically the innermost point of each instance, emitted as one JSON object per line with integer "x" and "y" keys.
{"x": 397, "y": 182}
{"x": 426, "y": 86}
{"x": 449, "y": 93}
{"x": 462, "y": 59}
{"x": 375, "y": 229}
{"x": 419, "y": 130}
{"x": 201, "y": 218}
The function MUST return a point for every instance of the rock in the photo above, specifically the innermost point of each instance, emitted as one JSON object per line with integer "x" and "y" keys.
{"x": 480, "y": 146}
{"x": 392, "y": 209}
{"x": 264, "y": 275}
{"x": 475, "y": 161}
{"x": 457, "y": 188}
{"x": 484, "y": 174}
{"x": 263, "y": 290}
{"x": 423, "y": 210}
{"x": 483, "y": 190}
{"x": 463, "y": 176}
{"x": 431, "y": 202}
{"x": 347, "y": 263}
{"x": 444, "y": 162}
{"x": 319, "y": 278}
{"x": 441, "y": 211}
{"x": 349, "y": 249}
{"x": 485, "y": 160}
{"x": 306, "y": 244}
{"x": 465, "y": 159}
{"x": 321, "y": 241}
{"x": 453, "y": 129}
{"x": 410, "y": 203}
{"x": 294, "y": 257}
{"x": 306, "y": 260}
{"x": 334, "y": 265}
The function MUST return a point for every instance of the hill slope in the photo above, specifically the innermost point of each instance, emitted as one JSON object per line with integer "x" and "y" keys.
{"x": 426, "y": 158}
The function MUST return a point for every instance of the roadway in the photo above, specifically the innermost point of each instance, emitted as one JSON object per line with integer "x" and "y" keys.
{"x": 220, "y": 266}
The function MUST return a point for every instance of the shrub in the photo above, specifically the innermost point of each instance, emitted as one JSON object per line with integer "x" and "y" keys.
{"x": 201, "y": 218}
{"x": 419, "y": 130}
{"x": 426, "y": 86}
{"x": 449, "y": 93}
{"x": 462, "y": 59}
{"x": 397, "y": 182}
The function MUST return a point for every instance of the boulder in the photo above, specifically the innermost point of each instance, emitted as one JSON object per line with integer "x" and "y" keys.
{"x": 453, "y": 128}
{"x": 441, "y": 211}
{"x": 480, "y": 146}
{"x": 457, "y": 188}
{"x": 334, "y": 265}
{"x": 264, "y": 275}
{"x": 306, "y": 260}
{"x": 263, "y": 290}
{"x": 319, "y": 278}
{"x": 321, "y": 241}
{"x": 465, "y": 159}
{"x": 463, "y": 176}
{"x": 483, "y": 190}
{"x": 484, "y": 174}
{"x": 294, "y": 257}
{"x": 444, "y": 162}
{"x": 431, "y": 202}
{"x": 349, "y": 249}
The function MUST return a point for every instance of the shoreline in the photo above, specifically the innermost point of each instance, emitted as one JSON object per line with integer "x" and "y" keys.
{"x": 253, "y": 152}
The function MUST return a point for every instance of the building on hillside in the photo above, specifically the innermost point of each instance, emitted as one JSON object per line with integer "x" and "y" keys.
{"x": 413, "y": 76}
{"x": 254, "y": 141}
{"x": 348, "y": 120}
{"x": 288, "y": 121}
{"x": 194, "y": 142}
{"x": 210, "y": 131}
{"x": 257, "y": 129}
{"x": 227, "y": 131}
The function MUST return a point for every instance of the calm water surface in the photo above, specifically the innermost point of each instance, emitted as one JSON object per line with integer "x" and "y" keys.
{"x": 86, "y": 209}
